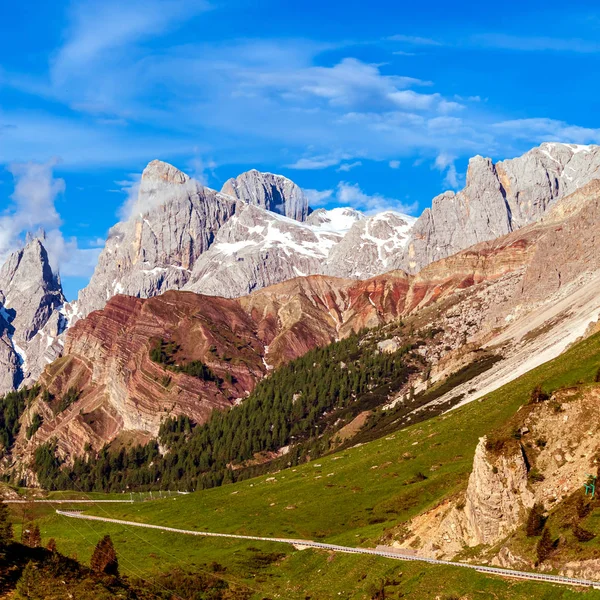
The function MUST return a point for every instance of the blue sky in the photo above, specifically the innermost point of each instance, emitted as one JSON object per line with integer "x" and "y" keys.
{"x": 375, "y": 104}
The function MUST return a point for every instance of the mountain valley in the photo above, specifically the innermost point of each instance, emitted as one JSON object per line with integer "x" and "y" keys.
{"x": 232, "y": 339}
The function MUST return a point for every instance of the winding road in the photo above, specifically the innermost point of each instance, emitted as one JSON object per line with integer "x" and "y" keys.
{"x": 301, "y": 544}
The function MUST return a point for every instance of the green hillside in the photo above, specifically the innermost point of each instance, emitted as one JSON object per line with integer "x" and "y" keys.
{"x": 351, "y": 497}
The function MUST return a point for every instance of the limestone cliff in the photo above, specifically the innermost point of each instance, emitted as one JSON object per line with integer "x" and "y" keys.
{"x": 30, "y": 297}
{"x": 272, "y": 192}
{"x": 494, "y": 505}
{"x": 499, "y": 198}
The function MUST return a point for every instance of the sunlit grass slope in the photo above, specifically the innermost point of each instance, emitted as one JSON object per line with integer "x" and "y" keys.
{"x": 351, "y": 498}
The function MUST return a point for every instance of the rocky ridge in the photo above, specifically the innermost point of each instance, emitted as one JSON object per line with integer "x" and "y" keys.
{"x": 499, "y": 198}
{"x": 274, "y": 193}
{"x": 31, "y": 300}
{"x": 121, "y": 390}
{"x": 259, "y": 231}
{"x": 501, "y": 491}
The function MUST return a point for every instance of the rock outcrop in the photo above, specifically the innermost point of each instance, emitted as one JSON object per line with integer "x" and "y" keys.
{"x": 173, "y": 222}
{"x": 499, "y": 198}
{"x": 500, "y": 492}
{"x": 257, "y": 248}
{"x": 372, "y": 245}
{"x": 30, "y": 296}
{"x": 275, "y": 193}
{"x": 495, "y": 504}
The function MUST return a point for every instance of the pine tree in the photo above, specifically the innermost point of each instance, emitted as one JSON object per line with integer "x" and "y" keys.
{"x": 535, "y": 521}
{"x": 30, "y": 579}
{"x": 544, "y": 546}
{"x": 104, "y": 559}
{"x": 6, "y": 531}
{"x": 35, "y": 537}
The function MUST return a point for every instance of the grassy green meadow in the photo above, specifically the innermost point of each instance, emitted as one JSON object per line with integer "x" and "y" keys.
{"x": 352, "y": 498}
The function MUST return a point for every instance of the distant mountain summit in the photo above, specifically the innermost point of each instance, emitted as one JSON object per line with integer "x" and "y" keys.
{"x": 275, "y": 193}
{"x": 259, "y": 231}
{"x": 31, "y": 298}
{"x": 498, "y": 198}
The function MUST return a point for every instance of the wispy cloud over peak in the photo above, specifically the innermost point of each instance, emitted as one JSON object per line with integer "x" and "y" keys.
{"x": 33, "y": 209}
{"x": 549, "y": 130}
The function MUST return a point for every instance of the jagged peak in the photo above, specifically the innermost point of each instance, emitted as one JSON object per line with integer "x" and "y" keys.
{"x": 263, "y": 174}
{"x": 158, "y": 170}
{"x": 268, "y": 190}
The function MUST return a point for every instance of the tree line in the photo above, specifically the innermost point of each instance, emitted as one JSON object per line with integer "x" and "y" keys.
{"x": 299, "y": 406}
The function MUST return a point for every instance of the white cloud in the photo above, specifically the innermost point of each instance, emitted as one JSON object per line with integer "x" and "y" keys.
{"x": 201, "y": 170}
{"x": 548, "y": 130}
{"x": 318, "y": 198}
{"x": 415, "y": 40}
{"x": 315, "y": 163}
{"x": 452, "y": 178}
{"x": 394, "y": 164}
{"x": 410, "y": 100}
{"x": 135, "y": 93}
{"x": 33, "y": 209}
{"x": 444, "y": 162}
{"x": 66, "y": 255}
{"x": 98, "y": 27}
{"x": 131, "y": 188}
{"x": 349, "y": 166}
{"x": 350, "y": 194}
{"x": 32, "y": 205}
{"x": 447, "y": 106}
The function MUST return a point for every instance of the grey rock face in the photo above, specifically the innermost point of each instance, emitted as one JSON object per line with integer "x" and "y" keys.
{"x": 30, "y": 296}
{"x": 10, "y": 371}
{"x": 499, "y": 198}
{"x": 256, "y": 248}
{"x": 175, "y": 221}
{"x": 371, "y": 246}
{"x": 271, "y": 192}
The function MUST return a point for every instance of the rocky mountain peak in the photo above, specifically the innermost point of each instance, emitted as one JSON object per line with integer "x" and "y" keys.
{"x": 157, "y": 170}
{"x": 30, "y": 295}
{"x": 499, "y": 198}
{"x": 269, "y": 191}
{"x": 479, "y": 167}
{"x": 29, "y": 288}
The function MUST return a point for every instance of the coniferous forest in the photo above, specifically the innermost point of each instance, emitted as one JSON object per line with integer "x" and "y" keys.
{"x": 291, "y": 415}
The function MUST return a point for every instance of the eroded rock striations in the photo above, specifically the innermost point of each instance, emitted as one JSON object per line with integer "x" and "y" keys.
{"x": 123, "y": 391}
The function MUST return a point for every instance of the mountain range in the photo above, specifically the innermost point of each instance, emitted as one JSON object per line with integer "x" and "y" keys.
{"x": 258, "y": 231}
{"x": 230, "y": 334}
